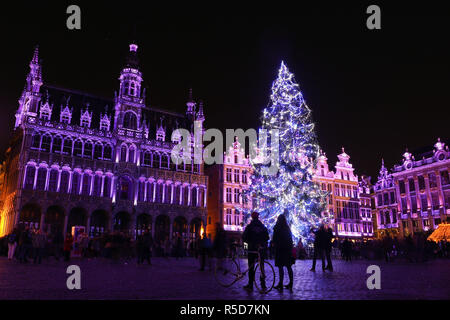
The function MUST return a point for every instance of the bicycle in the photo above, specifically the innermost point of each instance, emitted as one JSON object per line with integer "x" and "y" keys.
{"x": 228, "y": 272}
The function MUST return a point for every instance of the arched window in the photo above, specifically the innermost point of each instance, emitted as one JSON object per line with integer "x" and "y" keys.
{"x": 164, "y": 161}
{"x": 131, "y": 153}
{"x": 150, "y": 188}
{"x": 57, "y": 144}
{"x": 97, "y": 185}
{"x": 64, "y": 183}
{"x": 159, "y": 191}
{"x": 41, "y": 179}
{"x": 67, "y": 147}
{"x": 46, "y": 141}
{"x": 53, "y": 180}
{"x": 125, "y": 188}
{"x": 133, "y": 89}
{"x": 77, "y": 148}
{"x": 130, "y": 120}
{"x": 156, "y": 160}
{"x": 98, "y": 149}
{"x": 29, "y": 177}
{"x": 123, "y": 153}
{"x": 36, "y": 141}
{"x": 141, "y": 191}
{"x": 88, "y": 149}
{"x": 86, "y": 189}
{"x": 107, "y": 187}
{"x": 76, "y": 183}
{"x": 147, "y": 158}
{"x": 107, "y": 152}
{"x": 194, "y": 196}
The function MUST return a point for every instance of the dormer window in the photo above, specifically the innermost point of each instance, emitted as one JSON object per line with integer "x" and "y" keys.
{"x": 85, "y": 120}
{"x": 45, "y": 115}
{"x": 46, "y": 112}
{"x": 84, "y": 123}
{"x": 65, "y": 119}
{"x": 160, "y": 136}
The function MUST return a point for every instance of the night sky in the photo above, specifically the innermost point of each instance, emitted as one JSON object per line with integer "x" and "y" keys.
{"x": 373, "y": 92}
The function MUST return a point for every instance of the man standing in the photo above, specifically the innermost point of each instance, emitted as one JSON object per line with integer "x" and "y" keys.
{"x": 328, "y": 247}
{"x": 256, "y": 236}
{"x": 319, "y": 247}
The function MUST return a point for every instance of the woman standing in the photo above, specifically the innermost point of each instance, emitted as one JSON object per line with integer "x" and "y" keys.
{"x": 282, "y": 240}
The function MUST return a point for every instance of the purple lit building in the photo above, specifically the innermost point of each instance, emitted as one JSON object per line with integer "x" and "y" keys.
{"x": 415, "y": 196}
{"x": 77, "y": 159}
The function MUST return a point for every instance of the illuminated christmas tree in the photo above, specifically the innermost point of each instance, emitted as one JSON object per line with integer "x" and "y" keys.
{"x": 291, "y": 188}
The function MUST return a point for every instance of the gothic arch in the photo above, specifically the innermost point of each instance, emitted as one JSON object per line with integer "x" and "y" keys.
{"x": 77, "y": 217}
{"x": 54, "y": 219}
{"x": 130, "y": 120}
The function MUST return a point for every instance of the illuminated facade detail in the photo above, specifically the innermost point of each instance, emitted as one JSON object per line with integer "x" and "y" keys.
{"x": 107, "y": 171}
{"x": 422, "y": 191}
{"x": 345, "y": 196}
{"x": 385, "y": 204}
{"x": 228, "y": 181}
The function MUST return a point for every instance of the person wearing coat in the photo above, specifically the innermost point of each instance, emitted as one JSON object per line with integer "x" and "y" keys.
{"x": 256, "y": 236}
{"x": 68, "y": 243}
{"x": 319, "y": 247}
{"x": 282, "y": 240}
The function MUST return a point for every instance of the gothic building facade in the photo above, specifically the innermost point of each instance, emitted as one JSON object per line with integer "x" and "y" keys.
{"x": 80, "y": 160}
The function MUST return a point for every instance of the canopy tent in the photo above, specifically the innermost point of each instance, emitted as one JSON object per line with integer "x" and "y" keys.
{"x": 442, "y": 233}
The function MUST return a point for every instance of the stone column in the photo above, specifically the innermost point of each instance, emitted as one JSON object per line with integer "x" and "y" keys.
{"x": 35, "y": 177}
{"x": 47, "y": 176}
{"x": 66, "y": 222}
{"x": 59, "y": 180}
{"x": 88, "y": 223}
{"x": 171, "y": 229}
{"x": 440, "y": 190}
{"x": 427, "y": 188}
{"x": 145, "y": 191}
{"x": 42, "y": 221}
{"x": 418, "y": 198}
{"x": 102, "y": 185}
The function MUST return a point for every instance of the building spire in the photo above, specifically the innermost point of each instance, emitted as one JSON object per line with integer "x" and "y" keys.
{"x": 200, "y": 115}
{"x": 190, "y": 104}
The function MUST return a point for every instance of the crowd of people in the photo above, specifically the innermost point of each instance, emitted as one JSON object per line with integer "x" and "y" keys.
{"x": 33, "y": 245}
{"x": 28, "y": 245}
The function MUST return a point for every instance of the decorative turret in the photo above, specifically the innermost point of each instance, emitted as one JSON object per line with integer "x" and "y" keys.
{"x": 105, "y": 120}
{"x": 200, "y": 115}
{"x": 66, "y": 113}
{"x": 190, "y": 105}
{"x": 34, "y": 78}
{"x": 131, "y": 77}
{"x": 31, "y": 96}
{"x": 130, "y": 97}
{"x": 161, "y": 132}
{"x": 86, "y": 117}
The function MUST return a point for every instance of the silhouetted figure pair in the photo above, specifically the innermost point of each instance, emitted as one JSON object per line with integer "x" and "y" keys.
{"x": 283, "y": 247}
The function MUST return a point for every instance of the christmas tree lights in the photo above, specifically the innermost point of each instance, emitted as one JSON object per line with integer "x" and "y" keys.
{"x": 292, "y": 187}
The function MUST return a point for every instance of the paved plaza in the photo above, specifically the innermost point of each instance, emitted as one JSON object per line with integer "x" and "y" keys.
{"x": 171, "y": 279}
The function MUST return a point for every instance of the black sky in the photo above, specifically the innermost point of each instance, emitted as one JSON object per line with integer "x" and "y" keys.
{"x": 373, "y": 92}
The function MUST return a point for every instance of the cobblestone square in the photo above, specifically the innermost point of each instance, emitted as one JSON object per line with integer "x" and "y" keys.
{"x": 172, "y": 279}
